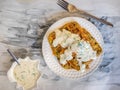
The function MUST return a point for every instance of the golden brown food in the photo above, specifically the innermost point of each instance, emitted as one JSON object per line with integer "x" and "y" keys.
{"x": 76, "y": 29}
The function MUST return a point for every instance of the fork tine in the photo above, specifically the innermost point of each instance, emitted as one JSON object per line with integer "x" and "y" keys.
{"x": 64, "y": 7}
{"x": 63, "y": 4}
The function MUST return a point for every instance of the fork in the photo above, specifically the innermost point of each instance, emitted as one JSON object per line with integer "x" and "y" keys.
{"x": 71, "y": 8}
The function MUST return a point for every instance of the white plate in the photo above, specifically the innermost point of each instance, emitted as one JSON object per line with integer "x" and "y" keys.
{"x": 52, "y": 61}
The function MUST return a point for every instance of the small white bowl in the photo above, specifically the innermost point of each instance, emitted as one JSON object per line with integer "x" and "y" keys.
{"x": 10, "y": 73}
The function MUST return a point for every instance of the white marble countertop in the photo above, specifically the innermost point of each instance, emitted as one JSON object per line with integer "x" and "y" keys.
{"x": 21, "y": 19}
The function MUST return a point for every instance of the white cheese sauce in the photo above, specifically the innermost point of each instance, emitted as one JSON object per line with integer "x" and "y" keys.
{"x": 64, "y": 38}
{"x": 27, "y": 74}
{"x": 82, "y": 48}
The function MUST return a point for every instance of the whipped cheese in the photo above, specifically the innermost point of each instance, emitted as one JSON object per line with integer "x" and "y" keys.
{"x": 64, "y": 38}
{"x": 74, "y": 44}
{"x": 27, "y": 73}
{"x": 83, "y": 50}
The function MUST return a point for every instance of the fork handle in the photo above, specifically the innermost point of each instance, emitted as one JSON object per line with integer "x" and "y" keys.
{"x": 94, "y": 17}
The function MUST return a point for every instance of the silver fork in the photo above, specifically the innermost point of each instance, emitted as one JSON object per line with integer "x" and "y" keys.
{"x": 71, "y": 8}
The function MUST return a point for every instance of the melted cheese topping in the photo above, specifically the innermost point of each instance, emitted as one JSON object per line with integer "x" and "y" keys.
{"x": 64, "y": 38}
{"x": 83, "y": 50}
{"x": 73, "y": 43}
{"x": 26, "y": 74}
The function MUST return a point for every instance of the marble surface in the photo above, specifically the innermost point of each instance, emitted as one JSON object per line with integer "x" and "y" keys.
{"x": 23, "y": 24}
